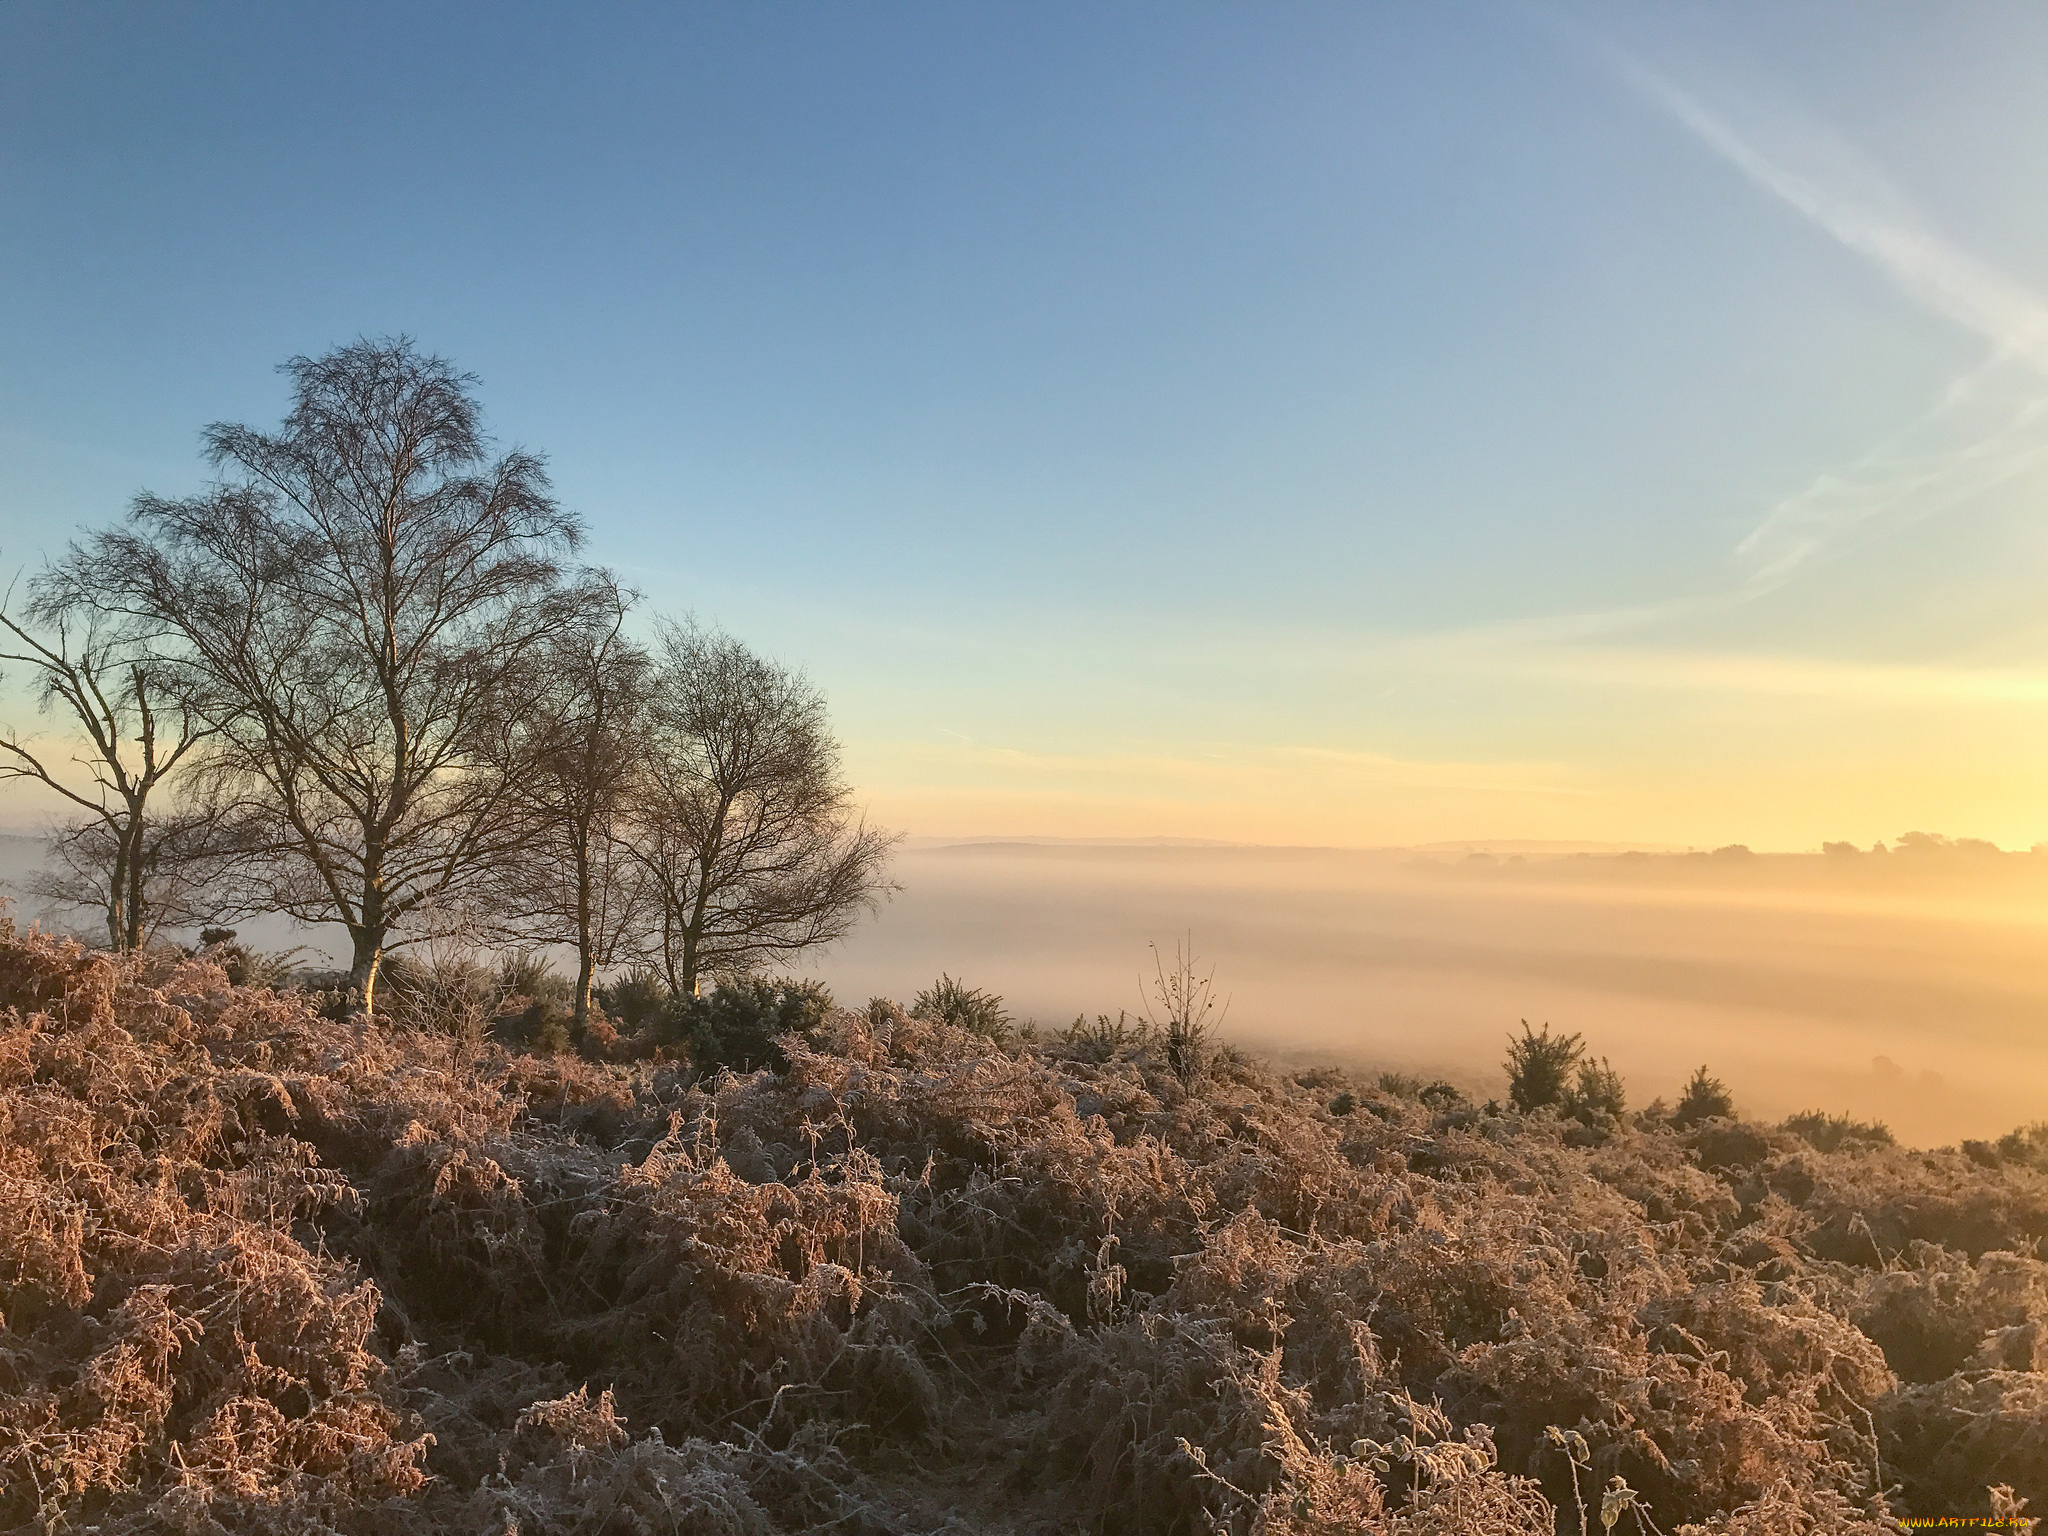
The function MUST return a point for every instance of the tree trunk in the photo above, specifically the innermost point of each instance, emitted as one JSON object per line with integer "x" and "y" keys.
{"x": 137, "y": 918}
{"x": 693, "y": 930}
{"x": 362, "y": 973}
{"x": 586, "y": 979}
{"x": 371, "y": 928}
{"x": 668, "y": 948}
{"x": 586, "y": 965}
{"x": 117, "y": 893}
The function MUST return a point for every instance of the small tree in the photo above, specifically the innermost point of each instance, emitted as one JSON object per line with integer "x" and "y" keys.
{"x": 1540, "y": 1067}
{"x": 138, "y": 728}
{"x": 740, "y": 823}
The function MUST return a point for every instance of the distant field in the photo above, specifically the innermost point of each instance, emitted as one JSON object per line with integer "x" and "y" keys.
{"x": 1912, "y": 987}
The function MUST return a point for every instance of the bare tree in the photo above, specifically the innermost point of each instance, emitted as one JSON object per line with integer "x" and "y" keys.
{"x": 349, "y": 605}
{"x": 164, "y": 879}
{"x": 741, "y": 824}
{"x": 138, "y": 728}
{"x": 574, "y": 753}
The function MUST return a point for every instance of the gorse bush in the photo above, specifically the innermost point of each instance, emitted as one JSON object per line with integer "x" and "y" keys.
{"x": 1541, "y": 1067}
{"x": 638, "y": 999}
{"x": 528, "y": 973}
{"x": 1104, "y": 1039}
{"x": 1441, "y": 1096}
{"x": 1547, "y": 1071}
{"x": 739, "y": 1022}
{"x": 1437, "y": 1095}
{"x": 1596, "y": 1094}
{"x": 1831, "y": 1133}
{"x": 2026, "y": 1147}
{"x": 1706, "y": 1097}
{"x": 536, "y": 1008}
{"x": 246, "y": 967}
{"x": 264, "y": 1271}
{"x": 947, "y": 1001}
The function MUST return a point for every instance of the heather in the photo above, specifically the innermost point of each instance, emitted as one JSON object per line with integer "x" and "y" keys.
{"x": 266, "y": 1266}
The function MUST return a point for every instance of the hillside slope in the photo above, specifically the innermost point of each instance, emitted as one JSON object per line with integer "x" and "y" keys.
{"x": 261, "y": 1270}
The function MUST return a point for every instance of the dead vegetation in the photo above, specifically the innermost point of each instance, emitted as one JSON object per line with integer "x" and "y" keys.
{"x": 263, "y": 1270}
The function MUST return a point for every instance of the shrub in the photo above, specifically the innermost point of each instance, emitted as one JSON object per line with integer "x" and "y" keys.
{"x": 1104, "y": 1040}
{"x": 529, "y": 973}
{"x": 1442, "y": 1096}
{"x": 1729, "y": 1147}
{"x": 640, "y": 1000}
{"x": 246, "y": 967}
{"x": 1935, "y": 1312}
{"x": 635, "y": 998}
{"x": 440, "y": 991}
{"x": 736, "y": 1025}
{"x": 536, "y": 1009}
{"x": 1597, "y": 1095}
{"x": 1540, "y": 1067}
{"x": 533, "y": 1024}
{"x": 1831, "y": 1133}
{"x": 947, "y": 1001}
{"x": 2026, "y": 1147}
{"x": 1952, "y": 1438}
{"x": 1706, "y": 1097}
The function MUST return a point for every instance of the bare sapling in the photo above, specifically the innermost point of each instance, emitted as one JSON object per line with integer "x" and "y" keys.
{"x": 1187, "y": 1010}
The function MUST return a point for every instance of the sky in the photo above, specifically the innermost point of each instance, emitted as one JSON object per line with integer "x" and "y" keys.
{"x": 1319, "y": 424}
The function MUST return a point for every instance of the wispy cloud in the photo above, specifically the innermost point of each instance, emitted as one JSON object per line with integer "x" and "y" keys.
{"x": 1925, "y": 265}
{"x": 1983, "y": 431}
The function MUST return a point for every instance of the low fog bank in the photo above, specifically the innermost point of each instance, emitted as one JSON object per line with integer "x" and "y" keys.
{"x": 1911, "y": 986}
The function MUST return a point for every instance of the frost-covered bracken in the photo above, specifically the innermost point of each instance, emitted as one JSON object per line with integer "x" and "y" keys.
{"x": 263, "y": 1270}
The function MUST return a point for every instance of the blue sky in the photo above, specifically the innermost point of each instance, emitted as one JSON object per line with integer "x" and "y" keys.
{"x": 1320, "y": 423}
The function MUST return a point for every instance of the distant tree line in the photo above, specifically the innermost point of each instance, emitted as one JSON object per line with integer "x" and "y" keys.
{"x": 361, "y": 679}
